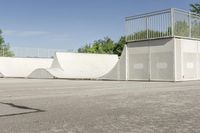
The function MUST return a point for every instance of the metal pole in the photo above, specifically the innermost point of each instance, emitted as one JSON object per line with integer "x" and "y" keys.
{"x": 172, "y": 22}
{"x": 190, "y": 25}
{"x": 3, "y": 50}
{"x": 147, "y": 28}
{"x": 126, "y": 65}
{"x": 48, "y": 53}
{"x": 38, "y": 52}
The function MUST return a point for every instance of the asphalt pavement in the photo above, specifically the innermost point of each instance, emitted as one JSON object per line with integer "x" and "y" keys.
{"x": 83, "y": 106}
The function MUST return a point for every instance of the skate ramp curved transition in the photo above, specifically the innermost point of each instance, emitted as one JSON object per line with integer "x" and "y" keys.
{"x": 118, "y": 72}
{"x": 77, "y": 66}
{"x": 1, "y": 75}
{"x": 21, "y": 67}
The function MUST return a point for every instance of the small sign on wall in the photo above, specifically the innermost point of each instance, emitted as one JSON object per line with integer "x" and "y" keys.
{"x": 162, "y": 65}
{"x": 138, "y": 66}
{"x": 190, "y": 65}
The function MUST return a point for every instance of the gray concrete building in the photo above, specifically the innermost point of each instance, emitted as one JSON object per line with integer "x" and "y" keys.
{"x": 161, "y": 46}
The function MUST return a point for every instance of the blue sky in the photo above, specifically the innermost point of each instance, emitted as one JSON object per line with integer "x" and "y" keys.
{"x": 69, "y": 24}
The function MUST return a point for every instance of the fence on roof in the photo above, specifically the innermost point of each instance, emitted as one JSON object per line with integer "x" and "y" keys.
{"x": 163, "y": 24}
{"x": 23, "y": 52}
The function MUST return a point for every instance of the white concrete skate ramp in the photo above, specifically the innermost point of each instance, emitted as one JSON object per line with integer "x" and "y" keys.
{"x": 21, "y": 67}
{"x": 118, "y": 72}
{"x": 1, "y": 75}
{"x": 77, "y": 66}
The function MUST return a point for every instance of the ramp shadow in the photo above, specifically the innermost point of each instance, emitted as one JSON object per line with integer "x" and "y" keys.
{"x": 32, "y": 110}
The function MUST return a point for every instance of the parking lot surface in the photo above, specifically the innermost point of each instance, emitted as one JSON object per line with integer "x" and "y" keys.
{"x": 83, "y": 106}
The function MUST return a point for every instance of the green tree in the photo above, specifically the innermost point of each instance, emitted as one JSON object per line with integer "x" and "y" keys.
{"x": 195, "y": 8}
{"x": 195, "y": 25}
{"x": 142, "y": 35}
{"x": 181, "y": 28}
{"x": 4, "y": 48}
{"x": 101, "y": 46}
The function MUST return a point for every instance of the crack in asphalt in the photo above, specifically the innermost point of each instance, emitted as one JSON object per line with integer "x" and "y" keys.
{"x": 33, "y": 110}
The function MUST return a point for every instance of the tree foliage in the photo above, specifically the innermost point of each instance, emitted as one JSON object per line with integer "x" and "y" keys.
{"x": 104, "y": 46}
{"x": 142, "y": 35}
{"x": 108, "y": 46}
{"x": 119, "y": 46}
{"x": 195, "y": 8}
{"x": 4, "y": 48}
{"x": 181, "y": 28}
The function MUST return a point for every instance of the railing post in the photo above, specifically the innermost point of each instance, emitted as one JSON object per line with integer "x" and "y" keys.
{"x": 147, "y": 28}
{"x": 172, "y": 22}
{"x": 38, "y": 52}
{"x": 190, "y": 25}
{"x": 126, "y": 63}
{"x": 3, "y": 51}
{"x": 48, "y": 53}
{"x": 126, "y": 31}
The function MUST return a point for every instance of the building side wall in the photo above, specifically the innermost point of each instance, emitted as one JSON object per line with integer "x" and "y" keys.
{"x": 188, "y": 59}
{"x": 138, "y": 63}
{"x": 118, "y": 72}
{"x": 171, "y": 59}
{"x": 151, "y": 60}
{"x": 198, "y": 60}
{"x": 178, "y": 64}
{"x": 162, "y": 59}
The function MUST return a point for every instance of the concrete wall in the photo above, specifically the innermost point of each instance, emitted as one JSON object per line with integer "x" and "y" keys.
{"x": 118, "y": 72}
{"x": 146, "y": 60}
{"x": 151, "y": 60}
{"x": 187, "y": 59}
{"x": 170, "y": 59}
{"x": 1, "y": 75}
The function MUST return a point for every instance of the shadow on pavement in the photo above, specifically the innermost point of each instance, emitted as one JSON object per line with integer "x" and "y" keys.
{"x": 32, "y": 110}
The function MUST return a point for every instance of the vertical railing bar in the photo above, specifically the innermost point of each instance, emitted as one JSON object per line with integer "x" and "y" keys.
{"x": 128, "y": 29}
{"x": 190, "y": 26}
{"x": 131, "y": 23}
{"x": 166, "y": 24}
{"x": 125, "y": 31}
{"x": 161, "y": 27}
{"x": 149, "y": 32}
{"x": 129, "y": 34}
{"x": 161, "y": 30}
{"x": 158, "y": 27}
{"x": 172, "y": 22}
{"x": 3, "y": 51}
{"x": 147, "y": 27}
{"x": 136, "y": 30}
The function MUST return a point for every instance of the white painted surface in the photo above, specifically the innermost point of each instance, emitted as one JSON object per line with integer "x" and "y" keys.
{"x": 118, "y": 72}
{"x": 190, "y": 65}
{"x": 189, "y": 59}
{"x": 145, "y": 60}
{"x": 138, "y": 66}
{"x": 189, "y": 46}
{"x": 77, "y": 66}
{"x": 162, "y": 65}
{"x": 1, "y": 75}
{"x": 21, "y": 67}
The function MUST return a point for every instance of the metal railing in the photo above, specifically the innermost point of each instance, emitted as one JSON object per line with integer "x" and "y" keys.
{"x": 23, "y": 52}
{"x": 162, "y": 24}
